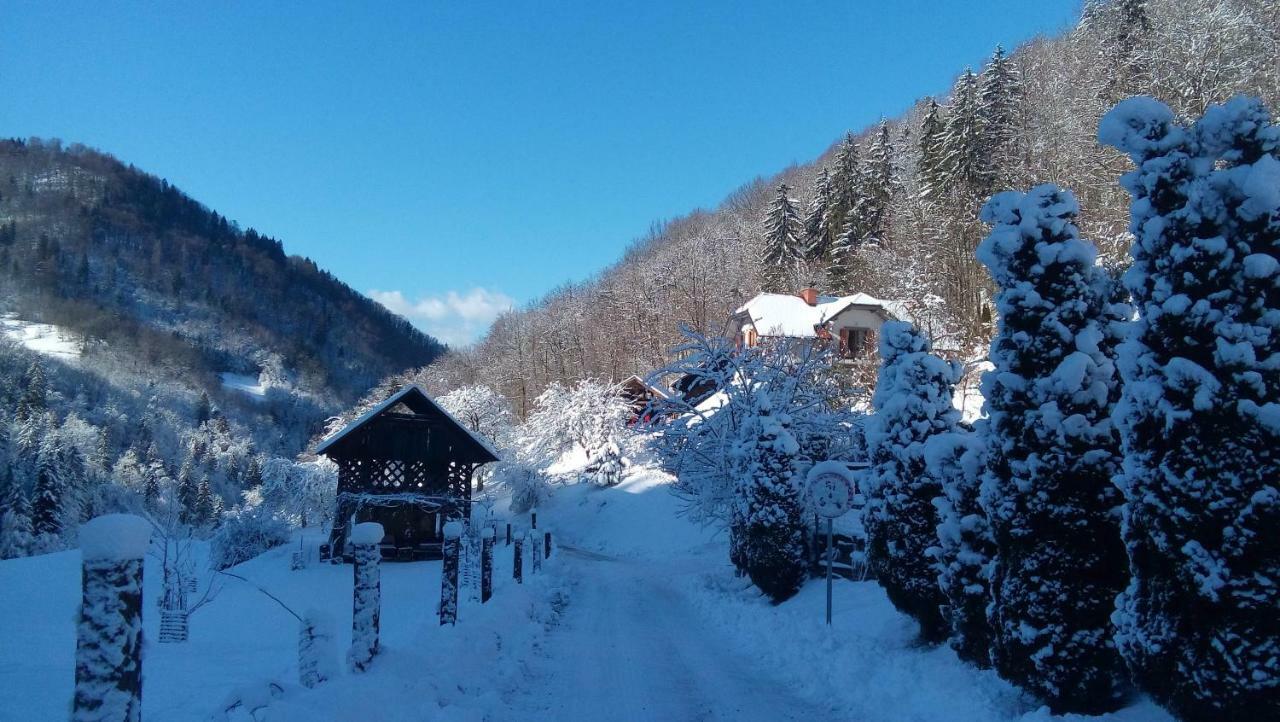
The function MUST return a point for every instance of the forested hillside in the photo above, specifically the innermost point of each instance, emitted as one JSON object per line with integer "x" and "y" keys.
{"x": 892, "y": 210}
{"x": 149, "y": 345}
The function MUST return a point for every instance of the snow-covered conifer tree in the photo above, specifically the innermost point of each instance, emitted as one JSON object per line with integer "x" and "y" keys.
{"x": 1052, "y": 454}
{"x": 965, "y": 546}
{"x": 999, "y": 96}
{"x": 35, "y": 391}
{"x": 49, "y": 493}
{"x": 15, "y": 524}
{"x": 880, "y": 185}
{"x": 962, "y": 141}
{"x": 1200, "y": 415}
{"x": 784, "y": 242}
{"x": 931, "y": 176}
{"x": 772, "y": 536}
{"x": 817, "y": 234}
{"x": 912, "y": 403}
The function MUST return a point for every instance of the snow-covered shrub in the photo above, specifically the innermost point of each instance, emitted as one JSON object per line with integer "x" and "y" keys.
{"x": 317, "y": 649}
{"x": 965, "y": 546}
{"x": 771, "y": 509}
{"x": 482, "y": 410}
{"x": 1200, "y": 414}
{"x": 1052, "y": 453}
{"x": 608, "y": 465}
{"x": 245, "y": 533}
{"x": 528, "y": 486}
{"x": 912, "y": 403}
{"x": 700, "y": 444}
{"x": 588, "y": 417}
{"x": 301, "y": 493}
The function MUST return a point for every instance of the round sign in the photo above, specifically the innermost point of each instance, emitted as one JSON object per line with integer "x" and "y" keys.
{"x": 831, "y": 489}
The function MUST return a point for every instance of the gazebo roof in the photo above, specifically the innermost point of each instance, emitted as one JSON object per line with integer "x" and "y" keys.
{"x": 424, "y": 408}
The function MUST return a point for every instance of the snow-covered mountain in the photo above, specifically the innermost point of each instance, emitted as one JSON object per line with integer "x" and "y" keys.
{"x": 121, "y": 276}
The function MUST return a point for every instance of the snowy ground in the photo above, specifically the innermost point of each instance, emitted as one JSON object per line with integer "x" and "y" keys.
{"x": 40, "y": 337}
{"x": 244, "y": 383}
{"x": 637, "y": 616}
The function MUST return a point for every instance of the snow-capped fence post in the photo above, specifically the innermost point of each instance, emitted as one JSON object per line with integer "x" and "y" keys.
{"x": 486, "y": 564}
{"x": 316, "y": 651}
{"x": 109, "y": 626}
{"x": 449, "y": 573}
{"x": 517, "y": 562}
{"x": 546, "y": 539}
{"x": 536, "y": 553}
{"x": 366, "y": 598}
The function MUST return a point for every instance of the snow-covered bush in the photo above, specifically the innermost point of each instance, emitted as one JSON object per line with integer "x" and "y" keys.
{"x": 700, "y": 444}
{"x": 771, "y": 539}
{"x": 482, "y": 410}
{"x": 1052, "y": 453}
{"x": 245, "y": 533}
{"x": 741, "y": 452}
{"x": 1200, "y": 414}
{"x": 965, "y": 546}
{"x": 301, "y": 493}
{"x": 527, "y": 485}
{"x": 589, "y": 417}
{"x": 912, "y": 403}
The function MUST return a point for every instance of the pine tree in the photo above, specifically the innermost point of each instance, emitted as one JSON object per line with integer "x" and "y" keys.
{"x": 1052, "y": 454}
{"x": 50, "y": 492}
{"x": 773, "y": 513}
{"x": 846, "y": 176}
{"x": 204, "y": 409}
{"x": 188, "y": 494}
{"x": 15, "y": 534}
{"x": 965, "y": 546}
{"x": 817, "y": 234}
{"x": 931, "y": 170}
{"x": 880, "y": 185}
{"x": 963, "y": 160}
{"x": 1200, "y": 415}
{"x": 206, "y": 510}
{"x": 784, "y": 242}
{"x": 998, "y": 109}
{"x": 35, "y": 390}
{"x": 912, "y": 403}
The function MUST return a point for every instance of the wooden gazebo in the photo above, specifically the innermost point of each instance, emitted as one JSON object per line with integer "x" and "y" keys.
{"x": 406, "y": 464}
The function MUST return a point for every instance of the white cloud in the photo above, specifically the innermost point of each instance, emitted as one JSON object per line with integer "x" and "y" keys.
{"x": 455, "y": 318}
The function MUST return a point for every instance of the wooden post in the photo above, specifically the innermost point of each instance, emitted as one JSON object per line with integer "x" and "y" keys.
{"x": 366, "y": 595}
{"x": 508, "y": 535}
{"x": 486, "y": 564}
{"x": 517, "y": 562}
{"x": 449, "y": 573}
{"x": 533, "y": 517}
{"x": 546, "y": 538}
{"x": 109, "y": 627}
{"x": 536, "y": 554}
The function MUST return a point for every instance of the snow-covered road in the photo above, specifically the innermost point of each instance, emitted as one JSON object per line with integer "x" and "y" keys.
{"x": 632, "y": 647}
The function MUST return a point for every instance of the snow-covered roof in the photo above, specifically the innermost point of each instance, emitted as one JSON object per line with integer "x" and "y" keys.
{"x": 633, "y": 379}
{"x": 391, "y": 401}
{"x": 784, "y": 314}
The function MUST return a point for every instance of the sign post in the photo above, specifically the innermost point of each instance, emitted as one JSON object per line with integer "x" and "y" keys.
{"x": 831, "y": 492}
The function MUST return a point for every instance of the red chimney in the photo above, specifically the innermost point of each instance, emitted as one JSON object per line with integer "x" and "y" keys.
{"x": 809, "y": 295}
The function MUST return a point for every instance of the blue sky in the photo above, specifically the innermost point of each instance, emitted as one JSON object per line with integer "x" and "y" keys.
{"x": 455, "y": 158}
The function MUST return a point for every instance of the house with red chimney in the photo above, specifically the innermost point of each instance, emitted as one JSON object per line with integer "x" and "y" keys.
{"x": 850, "y": 324}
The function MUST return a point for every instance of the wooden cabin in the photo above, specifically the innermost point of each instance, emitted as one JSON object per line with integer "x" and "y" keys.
{"x": 408, "y": 465}
{"x": 643, "y": 398}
